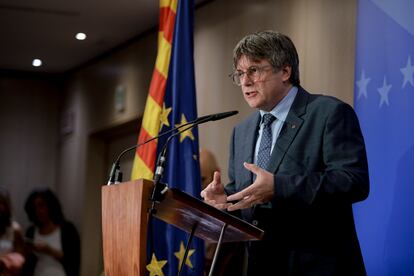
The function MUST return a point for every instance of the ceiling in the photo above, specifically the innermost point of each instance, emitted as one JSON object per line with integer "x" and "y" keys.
{"x": 46, "y": 29}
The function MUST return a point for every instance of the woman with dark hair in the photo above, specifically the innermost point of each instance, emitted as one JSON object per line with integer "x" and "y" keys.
{"x": 53, "y": 241}
{"x": 11, "y": 238}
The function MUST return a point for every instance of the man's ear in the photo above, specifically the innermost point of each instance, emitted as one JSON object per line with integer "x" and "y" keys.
{"x": 286, "y": 72}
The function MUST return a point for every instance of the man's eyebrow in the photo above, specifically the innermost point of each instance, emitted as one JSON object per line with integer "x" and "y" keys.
{"x": 251, "y": 66}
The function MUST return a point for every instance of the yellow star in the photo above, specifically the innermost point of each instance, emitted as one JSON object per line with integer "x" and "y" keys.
{"x": 155, "y": 267}
{"x": 180, "y": 255}
{"x": 188, "y": 133}
{"x": 164, "y": 116}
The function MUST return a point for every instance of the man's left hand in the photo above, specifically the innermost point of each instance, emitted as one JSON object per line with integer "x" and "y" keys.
{"x": 261, "y": 191}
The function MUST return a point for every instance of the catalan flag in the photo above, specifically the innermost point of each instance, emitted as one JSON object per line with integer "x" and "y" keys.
{"x": 172, "y": 102}
{"x": 155, "y": 113}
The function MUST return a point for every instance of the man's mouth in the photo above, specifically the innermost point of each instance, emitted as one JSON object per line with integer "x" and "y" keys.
{"x": 250, "y": 93}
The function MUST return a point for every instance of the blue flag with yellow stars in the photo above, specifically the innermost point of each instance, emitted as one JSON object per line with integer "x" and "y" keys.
{"x": 384, "y": 102}
{"x": 182, "y": 169}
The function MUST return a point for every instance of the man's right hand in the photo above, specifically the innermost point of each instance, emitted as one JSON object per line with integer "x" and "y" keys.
{"x": 214, "y": 193}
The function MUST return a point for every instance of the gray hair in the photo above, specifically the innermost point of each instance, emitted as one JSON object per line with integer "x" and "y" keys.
{"x": 275, "y": 47}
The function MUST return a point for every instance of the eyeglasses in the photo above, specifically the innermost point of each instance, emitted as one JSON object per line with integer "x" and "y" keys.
{"x": 254, "y": 73}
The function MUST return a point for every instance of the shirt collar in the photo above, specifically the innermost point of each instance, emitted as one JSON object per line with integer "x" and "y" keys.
{"x": 281, "y": 110}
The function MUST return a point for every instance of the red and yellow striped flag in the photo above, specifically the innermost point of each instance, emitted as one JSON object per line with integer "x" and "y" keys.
{"x": 145, "y": 155}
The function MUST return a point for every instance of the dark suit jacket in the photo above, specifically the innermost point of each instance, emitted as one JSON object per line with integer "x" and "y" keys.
{"x": 320, "y": 168}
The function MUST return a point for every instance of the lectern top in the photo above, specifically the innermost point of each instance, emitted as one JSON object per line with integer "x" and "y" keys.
{"x": 184, "y": 211}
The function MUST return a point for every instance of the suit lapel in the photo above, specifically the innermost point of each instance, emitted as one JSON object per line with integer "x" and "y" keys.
{"x": 289, "y": 130}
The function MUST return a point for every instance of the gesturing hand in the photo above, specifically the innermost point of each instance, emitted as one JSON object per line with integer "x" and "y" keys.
{"x": 214, "y": 193}
{"x": 261, "y": 191}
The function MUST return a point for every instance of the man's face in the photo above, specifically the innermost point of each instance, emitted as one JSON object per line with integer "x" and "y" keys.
{"x": 269, "y": 89}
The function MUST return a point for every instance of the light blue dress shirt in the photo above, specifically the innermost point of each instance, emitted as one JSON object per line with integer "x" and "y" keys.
{"x": 280, "y": 111}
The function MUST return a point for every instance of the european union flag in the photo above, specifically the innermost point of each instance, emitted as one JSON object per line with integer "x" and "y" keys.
{"x": 384, "y": 101}
{"x": 182, "y": 167}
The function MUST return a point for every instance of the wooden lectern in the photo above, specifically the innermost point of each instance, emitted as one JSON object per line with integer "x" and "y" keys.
{"x": 125, "y": 216}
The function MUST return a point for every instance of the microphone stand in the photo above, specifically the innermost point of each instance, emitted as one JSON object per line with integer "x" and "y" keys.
{"x": 160, "y": 188}
{"x": 115, "y": 175}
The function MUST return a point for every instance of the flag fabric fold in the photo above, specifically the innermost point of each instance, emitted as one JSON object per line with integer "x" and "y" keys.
{"x": 384, "y": 102}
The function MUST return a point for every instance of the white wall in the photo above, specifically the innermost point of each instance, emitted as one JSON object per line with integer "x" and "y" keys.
{"x": 29, "y": 137}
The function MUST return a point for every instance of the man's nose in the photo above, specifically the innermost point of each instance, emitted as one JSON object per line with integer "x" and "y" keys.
{"x": 245, "y": 80}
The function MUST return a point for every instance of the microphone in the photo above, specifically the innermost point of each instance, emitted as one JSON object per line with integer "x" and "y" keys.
{"x": 115, "y": 175}
{"x": 218, "y": 116}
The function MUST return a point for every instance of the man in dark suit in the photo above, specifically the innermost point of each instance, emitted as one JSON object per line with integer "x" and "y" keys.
{"x": 296, "y": 167}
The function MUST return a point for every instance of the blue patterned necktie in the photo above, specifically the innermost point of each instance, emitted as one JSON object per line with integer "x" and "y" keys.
{"x": 263, "y": 156}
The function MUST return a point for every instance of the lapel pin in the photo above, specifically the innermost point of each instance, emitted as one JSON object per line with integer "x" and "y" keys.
{"x": 293, "y": 126}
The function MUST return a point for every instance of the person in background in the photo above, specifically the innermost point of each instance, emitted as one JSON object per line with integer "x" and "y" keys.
{"x": 11, "y": 239}
{"x": 231, "y": 255}
{"x": 52, "y": 241}
{"x": 296, "y": 166}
